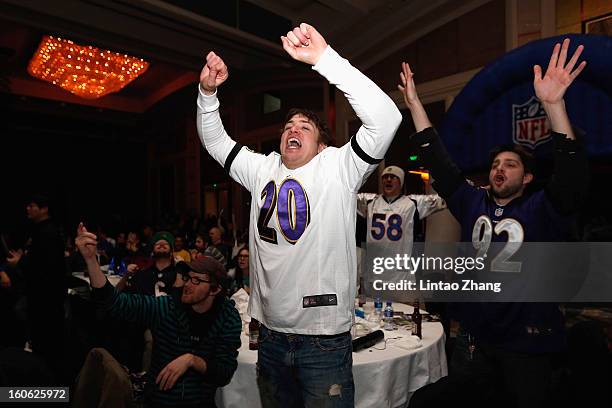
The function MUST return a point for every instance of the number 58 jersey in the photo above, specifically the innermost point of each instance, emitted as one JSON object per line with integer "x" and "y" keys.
{"x": 390, "y": 230}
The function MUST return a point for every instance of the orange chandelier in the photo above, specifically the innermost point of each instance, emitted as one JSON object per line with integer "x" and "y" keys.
{"x": 86, "y": 71}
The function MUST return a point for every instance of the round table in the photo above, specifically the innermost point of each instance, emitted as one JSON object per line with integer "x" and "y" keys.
{"x": 383, "y": 378}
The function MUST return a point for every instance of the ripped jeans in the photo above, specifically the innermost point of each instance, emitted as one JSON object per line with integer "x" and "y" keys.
{"x": 295, "y": 370}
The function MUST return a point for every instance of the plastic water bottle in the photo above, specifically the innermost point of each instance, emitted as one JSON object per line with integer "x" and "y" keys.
{"x": 111, "y": 266}
{"x": 122, "y": 269}
{"x": 378, "y": 309}
{"x": 388, "y": 319}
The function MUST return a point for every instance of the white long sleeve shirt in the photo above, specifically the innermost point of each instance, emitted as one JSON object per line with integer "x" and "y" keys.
{"x": 302, "y": 234}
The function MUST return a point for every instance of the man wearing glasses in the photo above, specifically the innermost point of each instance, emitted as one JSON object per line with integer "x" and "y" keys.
{"x": 196, "y": 332}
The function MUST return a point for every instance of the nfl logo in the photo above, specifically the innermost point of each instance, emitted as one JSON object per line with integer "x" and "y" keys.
{"x": 530, "y": 126}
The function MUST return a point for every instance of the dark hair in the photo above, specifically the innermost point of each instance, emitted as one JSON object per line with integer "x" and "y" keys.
{"x": 324, "y": 133}
{"x": 239, "y": 277}
{"x": 526, "y": 156}
{"x": 40, "y": 200}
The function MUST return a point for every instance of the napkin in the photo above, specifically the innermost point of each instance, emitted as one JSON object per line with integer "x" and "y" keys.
{"x": 241, "y": 298}
{"x": 408, "y": 343}
{"x": 369, "y": 324}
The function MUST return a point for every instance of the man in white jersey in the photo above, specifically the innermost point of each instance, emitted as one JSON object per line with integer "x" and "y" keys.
{"x": 391, "y": 218}
{"x": 302, "y": 235}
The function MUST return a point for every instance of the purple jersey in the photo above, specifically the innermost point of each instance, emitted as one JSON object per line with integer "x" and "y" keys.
{"x": 529, "y": 218}
{"x": 532, "y": 215}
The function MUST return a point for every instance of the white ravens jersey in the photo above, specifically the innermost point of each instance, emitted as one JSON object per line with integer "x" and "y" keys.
{"x": 390, "y": 232}
{"x": 302, "y": 233}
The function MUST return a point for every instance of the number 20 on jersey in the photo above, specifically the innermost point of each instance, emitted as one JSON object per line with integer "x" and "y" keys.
{"x": 292, "y": 208}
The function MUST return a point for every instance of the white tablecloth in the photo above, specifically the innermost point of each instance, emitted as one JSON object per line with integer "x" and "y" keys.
{"x": 383, "y": 378}
{"x": 113, "y": 279}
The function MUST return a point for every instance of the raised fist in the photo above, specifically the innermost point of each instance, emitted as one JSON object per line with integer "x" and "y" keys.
{"x": 304, "y": 44}
{"x": 213, "y": 74}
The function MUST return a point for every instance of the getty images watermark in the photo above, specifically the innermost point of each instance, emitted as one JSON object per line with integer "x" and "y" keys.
{"x": 409, "y": 264}
{"x": 497, "y": 272}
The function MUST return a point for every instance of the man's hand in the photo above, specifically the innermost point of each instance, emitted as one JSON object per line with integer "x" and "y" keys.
{"x": 86, "y": 242}
{"x": 304, "y": 44}
{"x": 158, "y": 289}
{"x": 178, "y": 281}
{"x": 407, "y": 88}
{"x": 171, "y": 372}
{"x": 558, "y": 77}
{"x": 213, "y": 74}
{"x": 131, "y": 269}
{"x": 411, "y": 99}
{"x": 14, "y": 257}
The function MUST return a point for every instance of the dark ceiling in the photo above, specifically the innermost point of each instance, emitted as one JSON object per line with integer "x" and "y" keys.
{"x": 175, "y": 35}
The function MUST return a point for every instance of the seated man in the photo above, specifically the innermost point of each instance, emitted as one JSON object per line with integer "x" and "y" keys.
{"x": 154, "y": 280}
{"x": 216, "y": 241}
{"x": 197, "y": 336}
{"x": 180, "y": 253}
{"x": 157, "y": 278}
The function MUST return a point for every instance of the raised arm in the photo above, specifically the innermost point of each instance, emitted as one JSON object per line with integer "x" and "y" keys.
{"x": 447, "y": 176}
{"x": 428, "y": 204}
{"x": 568, "y": 186}
{"x": 132, "y": 308}
{"x": 363, "y": 199}
{"x": 210, "y": 129}
{"x": 379, "y": 116}
{"x": 551, "y": 88}
{"x": 87, "y": 243}
{"x": 411, "y": 99}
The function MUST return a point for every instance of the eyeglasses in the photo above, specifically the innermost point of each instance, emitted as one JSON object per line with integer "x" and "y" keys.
{"x": 243, "y": 256}
{"x": 193, "y": 279}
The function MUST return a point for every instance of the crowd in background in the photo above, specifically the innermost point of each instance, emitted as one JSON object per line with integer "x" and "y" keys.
{"x": 144, "y": 256}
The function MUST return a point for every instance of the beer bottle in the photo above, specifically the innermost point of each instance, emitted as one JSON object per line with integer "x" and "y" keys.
{"x": 362, "y": 296}
{"x": 253, "y": 334}
{"x": 417, "y": 320}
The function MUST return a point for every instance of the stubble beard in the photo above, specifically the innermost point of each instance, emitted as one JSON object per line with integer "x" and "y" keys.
{"x": 506, "y": 191}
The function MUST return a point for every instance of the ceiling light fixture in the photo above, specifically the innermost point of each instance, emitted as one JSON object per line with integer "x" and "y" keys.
{"x": 84, "y": 70}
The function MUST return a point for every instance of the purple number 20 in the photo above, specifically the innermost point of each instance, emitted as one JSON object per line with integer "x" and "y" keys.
{"x": 292, "y": 211}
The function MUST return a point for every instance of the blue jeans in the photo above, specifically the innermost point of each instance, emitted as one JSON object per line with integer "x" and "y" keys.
{"x": 305, "y": 371}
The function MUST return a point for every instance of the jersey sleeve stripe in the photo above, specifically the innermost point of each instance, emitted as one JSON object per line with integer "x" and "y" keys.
{"x": 363, "y": 155}
{"x": 232, "y": 156}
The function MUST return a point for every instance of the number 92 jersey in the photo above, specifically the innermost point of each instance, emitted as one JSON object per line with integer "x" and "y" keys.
{"x": 529, "y": 218}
